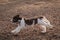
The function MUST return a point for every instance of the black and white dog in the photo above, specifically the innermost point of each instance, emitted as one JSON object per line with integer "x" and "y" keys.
{"x": 42, "y": 21}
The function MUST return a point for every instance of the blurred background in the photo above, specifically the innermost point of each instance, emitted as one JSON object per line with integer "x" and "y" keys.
{"x": 29, "y": 8}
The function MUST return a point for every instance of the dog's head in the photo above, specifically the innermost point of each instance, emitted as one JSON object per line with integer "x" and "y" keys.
{"x": 16, "y": 18}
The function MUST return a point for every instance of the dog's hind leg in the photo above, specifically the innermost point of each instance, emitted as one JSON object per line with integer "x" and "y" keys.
{"x": 43, "y": 29}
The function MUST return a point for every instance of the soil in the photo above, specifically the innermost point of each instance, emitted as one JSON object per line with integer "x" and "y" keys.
{"x": 29, "y": 8}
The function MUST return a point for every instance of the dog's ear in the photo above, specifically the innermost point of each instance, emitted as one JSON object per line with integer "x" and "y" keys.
{"x": 17, "y": 16}
{"x": 41, "y": 17}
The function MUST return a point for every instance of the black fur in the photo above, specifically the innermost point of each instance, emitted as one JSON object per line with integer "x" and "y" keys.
{"x": 28, "y": 22}
{"x": 41, "y": 17}
{"x": 16, "y": 18}
{"x": 35, "y": 21}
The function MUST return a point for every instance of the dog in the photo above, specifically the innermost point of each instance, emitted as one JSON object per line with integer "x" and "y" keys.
{"x": 42, "y": 21}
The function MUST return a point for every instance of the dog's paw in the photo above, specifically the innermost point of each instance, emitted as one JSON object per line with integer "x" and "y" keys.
{"x": 43, "y": 31}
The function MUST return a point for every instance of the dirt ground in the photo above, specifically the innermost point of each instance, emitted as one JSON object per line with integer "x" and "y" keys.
{"x": 29, "y": 8}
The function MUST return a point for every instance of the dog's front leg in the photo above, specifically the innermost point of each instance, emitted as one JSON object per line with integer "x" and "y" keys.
{"x": 17, "y": 30}
{"x": 21, "y": 25}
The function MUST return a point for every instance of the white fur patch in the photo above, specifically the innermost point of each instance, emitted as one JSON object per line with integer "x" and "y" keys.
{"x": 20, "y": 26}
{"x": 44, "y": 23}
